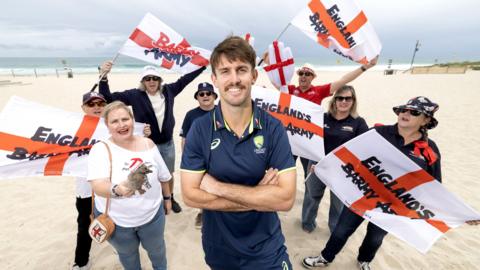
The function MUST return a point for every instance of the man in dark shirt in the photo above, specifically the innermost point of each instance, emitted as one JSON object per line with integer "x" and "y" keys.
{"x": 205, "y": 96}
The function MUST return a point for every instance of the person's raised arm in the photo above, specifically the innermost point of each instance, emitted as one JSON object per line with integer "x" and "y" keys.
{"x": 104, "y": 88}
{"x": 352, "y": 75}
{"x": 183, "y": 81}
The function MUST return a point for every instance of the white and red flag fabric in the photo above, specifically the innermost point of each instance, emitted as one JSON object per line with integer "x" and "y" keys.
{"x": 341, "y": 26}
{"x": 378, "y": 182}
{"x": 36, "y": 139}
{"x": 281, "y": 68}
{"x": 155, "y": 42}
{"x": 302, "y": 119}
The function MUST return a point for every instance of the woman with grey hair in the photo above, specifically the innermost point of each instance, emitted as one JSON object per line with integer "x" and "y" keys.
{"x": 152, "y": 103}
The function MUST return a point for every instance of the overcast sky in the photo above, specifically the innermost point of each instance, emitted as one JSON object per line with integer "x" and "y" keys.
{"x": 68, "y": 28}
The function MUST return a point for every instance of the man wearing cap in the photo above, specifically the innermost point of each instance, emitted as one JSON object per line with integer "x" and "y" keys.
{"x": 317, "y": 93}
{"x": 92, "y": 105}
{"x": 152, "y": 103}
{"x": 205, "y": 96}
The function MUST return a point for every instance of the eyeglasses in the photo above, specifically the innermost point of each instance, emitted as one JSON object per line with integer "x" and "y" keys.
{"x": 92, "y": 104}
{"x": 150, "y": 78}
{"x": 412, "y": 112}
{"x": 307, "y": 74}
{"x": 346, "y": 99}
{"x": 202, "y": 94}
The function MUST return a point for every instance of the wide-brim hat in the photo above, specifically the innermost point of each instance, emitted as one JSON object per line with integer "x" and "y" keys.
{"x": 150, "y": 71}
{"x": 204, "y": 87}
{"x": 423, "y": 105}
{"x": 89, "y": 96}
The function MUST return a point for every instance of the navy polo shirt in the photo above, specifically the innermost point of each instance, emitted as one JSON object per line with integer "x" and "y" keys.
{"x": 191, "y": 116}
{"x": 390, "y": 133}
{"x": 338, "y": 132}
{"x": 213, "y": 148}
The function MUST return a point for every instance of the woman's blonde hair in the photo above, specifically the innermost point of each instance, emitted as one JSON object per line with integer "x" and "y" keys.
{"x": 332, "y": 108}
{"x": 114, "y": 106}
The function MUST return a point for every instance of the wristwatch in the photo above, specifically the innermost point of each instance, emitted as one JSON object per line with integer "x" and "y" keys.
{"x": 167, "y": 198}
{"x": 113, "y": 192}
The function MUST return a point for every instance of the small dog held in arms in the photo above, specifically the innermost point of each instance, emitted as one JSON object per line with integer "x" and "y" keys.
{"x": 138, "y": 178}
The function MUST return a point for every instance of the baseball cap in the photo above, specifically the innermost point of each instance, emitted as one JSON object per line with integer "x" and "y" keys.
{"x": 92, "y": 95}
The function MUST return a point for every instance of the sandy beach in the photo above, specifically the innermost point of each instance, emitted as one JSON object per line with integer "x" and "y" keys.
{"x": 38, "y": 217}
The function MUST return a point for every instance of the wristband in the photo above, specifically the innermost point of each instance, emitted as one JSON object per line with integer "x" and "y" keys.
{"x": 167, "y": 198}
{"x": 113, "y": 192}
{"x": 363, "y": 68}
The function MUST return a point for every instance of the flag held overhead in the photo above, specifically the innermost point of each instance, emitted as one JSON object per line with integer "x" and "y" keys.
{"x": 340, "y": 26}
{"x": 155, "y": 42}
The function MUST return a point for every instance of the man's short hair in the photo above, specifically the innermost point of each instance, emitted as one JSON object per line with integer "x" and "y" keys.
{"x": 233, "y": 48}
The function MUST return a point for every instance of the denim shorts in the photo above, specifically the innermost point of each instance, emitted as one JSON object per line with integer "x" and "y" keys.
{"x": 167, "y": 151}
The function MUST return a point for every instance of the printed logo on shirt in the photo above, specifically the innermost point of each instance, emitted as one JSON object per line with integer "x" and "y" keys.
{"x": 137, "y": 181}
{"x": 284, "y": 265}
{"x": 215, "y": 143}
{"x": 326, "y": 126}
{"x": 347, "y": 128}
{"x": 258, "y": 142}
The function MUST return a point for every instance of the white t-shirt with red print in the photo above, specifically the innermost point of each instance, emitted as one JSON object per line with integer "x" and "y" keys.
{"x": 138, "y": 209}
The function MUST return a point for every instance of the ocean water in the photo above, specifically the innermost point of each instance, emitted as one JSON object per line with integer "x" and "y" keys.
{"x": 29, "y": 66}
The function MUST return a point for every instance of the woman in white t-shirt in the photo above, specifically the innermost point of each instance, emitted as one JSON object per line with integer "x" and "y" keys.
{"x": 139, "y": 218}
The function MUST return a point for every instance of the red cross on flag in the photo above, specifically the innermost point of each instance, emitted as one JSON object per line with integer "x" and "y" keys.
{"x": 377, "y": 181}
{"x": 281, "y": 68}
{"x": 40, "y": 140}
{"x": 340, "y": 26}
{"x": 155, "y": 42}
{"x": 302, "y": 119}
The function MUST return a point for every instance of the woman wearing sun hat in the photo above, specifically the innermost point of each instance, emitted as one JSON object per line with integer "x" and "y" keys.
{"x": 410, "y": 136}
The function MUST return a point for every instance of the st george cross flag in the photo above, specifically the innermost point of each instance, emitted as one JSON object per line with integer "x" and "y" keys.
{"x": 40, "y": 140}
{"x": 302, "y": 119}
{"x": 378, "y": 182}
{"x": 155, "y": 42}
{"x": 281, "y": 68}
{"x": 340, "y": 26}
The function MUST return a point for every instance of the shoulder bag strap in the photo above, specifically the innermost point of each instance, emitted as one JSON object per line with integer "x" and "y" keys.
{"x": 110, "y": 180}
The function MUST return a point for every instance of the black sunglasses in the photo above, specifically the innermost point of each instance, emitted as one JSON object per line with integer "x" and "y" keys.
{"x": 92, "y": 104}
{"x": 150, "y": 78}
{"x": 202, "y": 94}
{"x": 412, "y": 112}
{"x": 308, "y": 74}
{"x": 340, "y": 98}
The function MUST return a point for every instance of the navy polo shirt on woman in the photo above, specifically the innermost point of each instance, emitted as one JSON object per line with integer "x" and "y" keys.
{"x": 338, "y": 132}
{"x": 390, "y": 133}
{"x": 213, "y": 148}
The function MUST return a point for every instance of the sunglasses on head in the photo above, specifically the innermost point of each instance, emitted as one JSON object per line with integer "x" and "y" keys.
{"x": 92, "y": 104}
{"x": 202, "y": 94}
{"x": 305, "y": 73}
{"x": 347, "y": 99}
{"x": 412, "y": 112}
{"x": 150, "y": 78}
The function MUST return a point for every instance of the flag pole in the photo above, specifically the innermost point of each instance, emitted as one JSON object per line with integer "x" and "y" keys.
{"x": 104, "y": 74}
{"x": 278, "y": 37}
